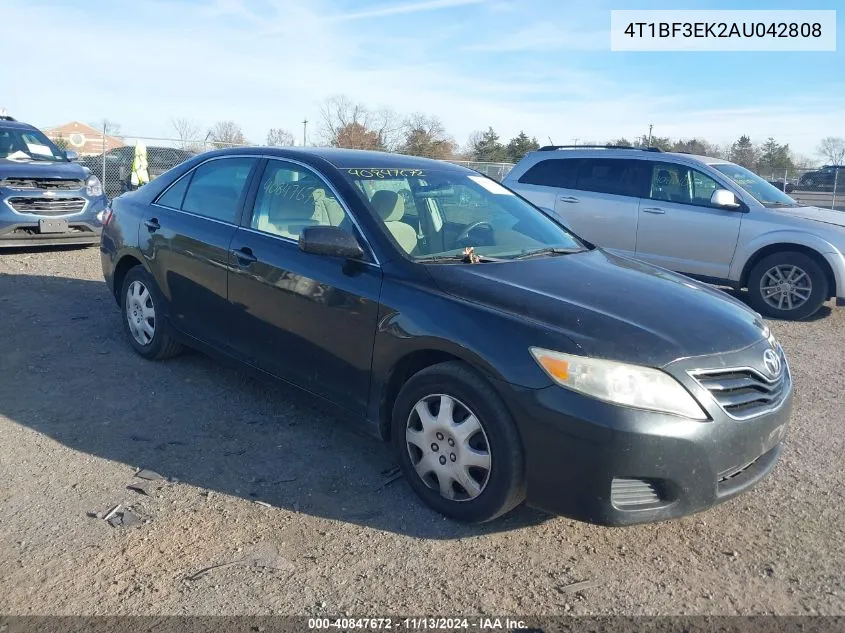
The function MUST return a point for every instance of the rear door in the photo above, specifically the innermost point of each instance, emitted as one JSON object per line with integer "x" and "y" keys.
{"x": 306, "y": 318}
{"x": 603, "y": 204}
{"x": 678, "y": 227}
{"x": 542, "y": 183}
{"x": 186, "y": 239}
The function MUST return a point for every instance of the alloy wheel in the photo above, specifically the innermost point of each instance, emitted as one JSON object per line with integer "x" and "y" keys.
{"x": 140, "y": 313}
{"x": 448, "y": 447}
{"x": 786, "y": 287}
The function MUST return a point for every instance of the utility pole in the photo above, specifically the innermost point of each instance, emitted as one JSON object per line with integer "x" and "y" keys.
{"x": 575, "y": 140}
{"x": 304, "y": 131}
{"x": 650, "y": 125}
{"x": 103, "y": 180}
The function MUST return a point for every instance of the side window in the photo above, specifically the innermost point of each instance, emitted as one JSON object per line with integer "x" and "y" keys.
{"x": 703, "y": 187}
{"x": 552, "y": 173}
{"x": 290, "y": 198}
{"x": 216, "y": 188}
{"x": 607, "y": 175}
{"x": 681, "y": 184}
{"x": 173, "y": 197}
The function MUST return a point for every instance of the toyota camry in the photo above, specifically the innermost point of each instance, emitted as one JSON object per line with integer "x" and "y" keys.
{"x": 505, "y": 359}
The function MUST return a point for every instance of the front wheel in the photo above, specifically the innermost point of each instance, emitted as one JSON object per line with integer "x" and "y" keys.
{"x": 787, "y": 285}
{"x": 457, "y": 445}
{"x": 148, "y": 333}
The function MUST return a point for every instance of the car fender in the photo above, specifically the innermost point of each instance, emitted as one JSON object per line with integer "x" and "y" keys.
{"x": 831, "y": 254}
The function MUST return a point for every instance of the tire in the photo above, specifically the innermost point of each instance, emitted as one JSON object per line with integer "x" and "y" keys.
{"x": 145, "y": 307}
{"x": 812, "y": 283}
{"x": 501, "y": 486}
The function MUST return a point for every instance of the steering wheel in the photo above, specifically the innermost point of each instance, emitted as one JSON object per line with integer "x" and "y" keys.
{"x": 464, "y": 236}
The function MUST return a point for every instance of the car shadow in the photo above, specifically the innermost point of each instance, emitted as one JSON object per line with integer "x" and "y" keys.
{"x": 194, "y": 420}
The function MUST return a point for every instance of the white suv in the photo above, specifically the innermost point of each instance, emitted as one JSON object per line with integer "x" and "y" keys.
{"x": 705, "y": 217}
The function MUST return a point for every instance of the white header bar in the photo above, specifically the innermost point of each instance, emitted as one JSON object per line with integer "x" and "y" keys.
{"x": 728, "y": 30}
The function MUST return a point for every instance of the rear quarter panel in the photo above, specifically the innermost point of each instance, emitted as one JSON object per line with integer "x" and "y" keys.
{"x": 120, "y": 238}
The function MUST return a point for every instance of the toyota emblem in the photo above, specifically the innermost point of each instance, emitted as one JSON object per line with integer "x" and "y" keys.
{"x": 771, "y": 361}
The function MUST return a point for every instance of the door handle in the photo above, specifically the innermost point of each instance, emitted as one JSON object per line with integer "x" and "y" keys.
{"x": 569, "y": 199}
{"x": 152, "y": 225}
{"x": 655, "y": 210}
{"x": 244, "y": 256}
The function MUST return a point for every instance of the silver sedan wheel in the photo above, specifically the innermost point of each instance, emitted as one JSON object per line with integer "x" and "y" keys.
{"x": 448, "y": 447}
{"x": 140, "y": 313}
{"x": 786, "y": 287}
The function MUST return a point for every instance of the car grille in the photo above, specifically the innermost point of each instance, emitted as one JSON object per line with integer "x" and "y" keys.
{"x": 745, "y": 393}
{"x": 47, "y": 206}
{"x": 51, "y": 184}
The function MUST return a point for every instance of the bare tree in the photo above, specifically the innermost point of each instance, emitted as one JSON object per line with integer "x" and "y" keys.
{"x": 803, "y": 162}
{"x": 833, "y": 149}
{"x": 425, "y": 135}
{"x": 277, "y": 137}
{"x": 344, "y": 123}
{"x": 227, "y": 134}
{"x": 188, "y": 132}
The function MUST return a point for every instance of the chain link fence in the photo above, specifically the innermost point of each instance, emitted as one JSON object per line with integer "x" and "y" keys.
{"x": 496, "y": 171}
{"x": 822, "y": 187}
{"x": 114, "y": 166}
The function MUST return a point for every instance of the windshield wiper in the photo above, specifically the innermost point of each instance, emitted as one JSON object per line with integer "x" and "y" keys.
{"x": 550, "y": 250}
{"x": 460, "y": 257}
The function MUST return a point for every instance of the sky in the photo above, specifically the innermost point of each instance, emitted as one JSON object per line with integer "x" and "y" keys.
{"x": 542, "y": 66}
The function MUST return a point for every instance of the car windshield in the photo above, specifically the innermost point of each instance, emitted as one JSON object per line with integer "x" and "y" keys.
{"x": 764, "y": 192}
{"x": 27, "y": 144}
{"x": 437, "y": 214}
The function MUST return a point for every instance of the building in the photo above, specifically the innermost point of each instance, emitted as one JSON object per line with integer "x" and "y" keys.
{"x": 81, "y": 138}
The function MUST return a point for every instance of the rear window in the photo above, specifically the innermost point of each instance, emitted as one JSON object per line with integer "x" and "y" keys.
{"x": 552, "y": 173}
{"x": 616, "y": 176}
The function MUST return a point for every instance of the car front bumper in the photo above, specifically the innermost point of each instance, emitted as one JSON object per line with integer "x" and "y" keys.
{"x": 16, "y": 234}
{"x": 612, "y": 465}
{"x": 836, "y": 261}
{"x": 24, "y": 229}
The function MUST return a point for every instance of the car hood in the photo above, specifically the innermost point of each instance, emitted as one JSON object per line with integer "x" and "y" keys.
{"x": 828, "y": 216}
{"x": 40, "y": 169}
{"x": 610, "y": 306}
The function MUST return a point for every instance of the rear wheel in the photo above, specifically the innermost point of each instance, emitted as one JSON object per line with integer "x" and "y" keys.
{"x": 457, "y": 445}
{"x": 148, "y": 333}
{"x": 787, "y": 285}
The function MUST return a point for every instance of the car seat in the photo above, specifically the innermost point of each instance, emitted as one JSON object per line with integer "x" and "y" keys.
{"x": 390, "y": 207}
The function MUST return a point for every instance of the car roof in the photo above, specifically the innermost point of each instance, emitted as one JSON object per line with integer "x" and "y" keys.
{"x": 16, "y": 125}
{"x": 622, "y": 152}
{"x": 351, "y": 158}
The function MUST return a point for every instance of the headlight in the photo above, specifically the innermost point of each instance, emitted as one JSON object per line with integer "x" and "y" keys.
{"x": 93, "y": 187}
{"x": 619, "y": 383}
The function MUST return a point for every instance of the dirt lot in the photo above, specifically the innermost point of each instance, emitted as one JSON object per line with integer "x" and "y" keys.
{"x": 80, "y": 413}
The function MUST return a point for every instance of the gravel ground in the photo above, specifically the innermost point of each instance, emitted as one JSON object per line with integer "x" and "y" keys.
{"x": 80, "y": 413}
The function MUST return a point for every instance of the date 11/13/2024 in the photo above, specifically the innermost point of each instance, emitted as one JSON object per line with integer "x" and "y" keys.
{"x": 418, "y": 623}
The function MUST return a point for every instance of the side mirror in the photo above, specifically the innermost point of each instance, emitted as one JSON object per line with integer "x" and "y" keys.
{"x": 725, "y": 199}
{"x": 71, "y": 155}
{"x": 331, "y": 241}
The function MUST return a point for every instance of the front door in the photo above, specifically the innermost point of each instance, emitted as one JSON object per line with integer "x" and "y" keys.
{"x": 306, "y": 318}
{"x": 678, "y": 227}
